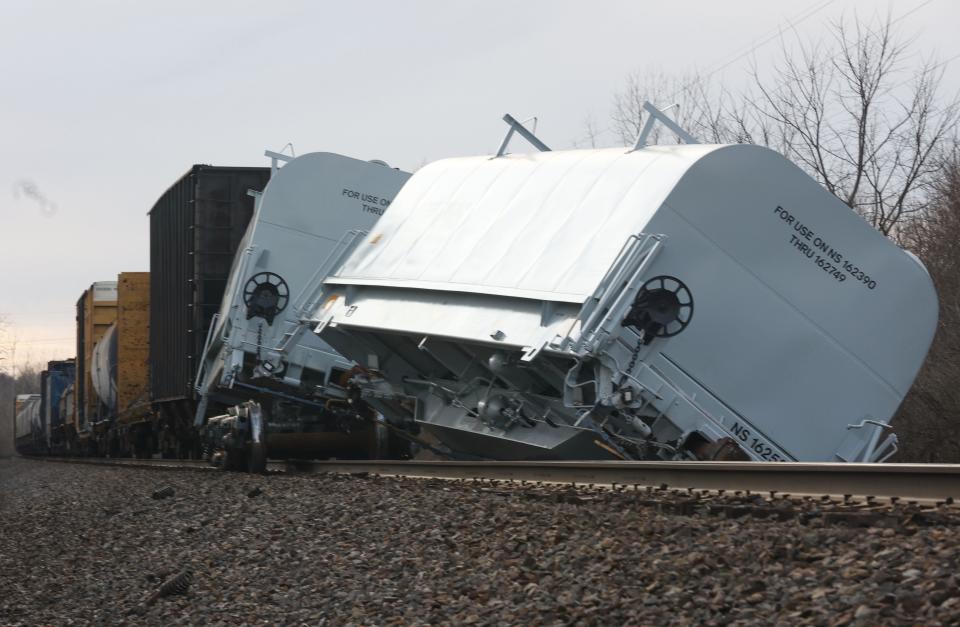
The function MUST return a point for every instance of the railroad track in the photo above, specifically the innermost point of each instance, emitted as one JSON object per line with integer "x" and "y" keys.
{"x": 926, "y": 482}
{"x": 164, "y": 464}
{"x": 936, "y": 482}
{"x": 159, "y": 464}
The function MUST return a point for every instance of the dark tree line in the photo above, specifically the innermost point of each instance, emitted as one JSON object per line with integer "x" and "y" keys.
{"x": 929, "y": 420}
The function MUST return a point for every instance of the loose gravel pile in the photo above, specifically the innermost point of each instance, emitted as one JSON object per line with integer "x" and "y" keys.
{"x": 82, "y": 544}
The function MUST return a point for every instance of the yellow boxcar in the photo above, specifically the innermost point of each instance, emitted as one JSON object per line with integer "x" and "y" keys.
{"x": 96, "y": 312}
{"x": 133, "y": 347}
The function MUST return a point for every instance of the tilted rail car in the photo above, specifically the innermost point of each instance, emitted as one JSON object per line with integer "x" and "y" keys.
{"x": 140, "y": 338}
{"x": 660, "y": 302}
{"x": 281, "y": 380}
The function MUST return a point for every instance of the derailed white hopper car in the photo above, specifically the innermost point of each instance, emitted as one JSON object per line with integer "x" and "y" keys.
{"x": 258, "y": 353}
{"x": 669, "y": 302}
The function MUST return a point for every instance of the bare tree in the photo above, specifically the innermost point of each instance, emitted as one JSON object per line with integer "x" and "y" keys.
{"x": 688, "y": 99}
{"x": 855, "y": 117}
{"x": 8, "y": 346}
{"x": 872, "y": 125}
{"x": 591, "y": 134}
{"x": 927, "y": 421}
{"x": 7, "y": 387}
{"x": 851, "y": 112}
{"x": 5, "y": 358}
{"x": 13, "y": 381}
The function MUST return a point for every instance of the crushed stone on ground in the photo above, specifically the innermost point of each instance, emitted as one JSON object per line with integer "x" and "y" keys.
{"x": 81, "y": 544}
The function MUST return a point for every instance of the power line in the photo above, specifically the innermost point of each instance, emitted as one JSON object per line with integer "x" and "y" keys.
{"x": 798, "y": 19}
{"x": 827, "y": 121}
{"x": 793, "y": 23}
{"x": 778, "y": 32}
{"x": 953, "y": 58}
{"x": 912, "y": 11}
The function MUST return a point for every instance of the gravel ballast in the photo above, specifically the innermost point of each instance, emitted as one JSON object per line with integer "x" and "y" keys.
{"x": 84, "y": 544}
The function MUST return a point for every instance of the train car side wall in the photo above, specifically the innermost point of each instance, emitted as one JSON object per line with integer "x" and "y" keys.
{"x": 46, "y": 392}
{"x": 133, "y": 346}
{"x": 96, "y": 311}
{"x": 21, "y": 424}
{"x": 27, "y": 429}
{"x": 55, "y": 381}
{"x": 68, "y": 412}
{"x": 195, "y": 229}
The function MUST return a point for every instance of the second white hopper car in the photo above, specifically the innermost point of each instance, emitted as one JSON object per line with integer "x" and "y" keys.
{"x": 668, "y": 302}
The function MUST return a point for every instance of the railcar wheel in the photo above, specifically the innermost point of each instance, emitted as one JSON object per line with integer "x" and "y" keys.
{"x": 232, "y": 460}
{"x": 257, "y": 458}
{"x": 379, "y": 447}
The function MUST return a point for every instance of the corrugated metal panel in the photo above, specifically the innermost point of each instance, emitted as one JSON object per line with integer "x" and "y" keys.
{"x": 27, "y": 417}
{"x": 54, "y": 382}
{"x": 75, "y": 417}
{"x": 46, "y": 383}
{"x": 68, "y": 407}
{"x": 195, "y": 229}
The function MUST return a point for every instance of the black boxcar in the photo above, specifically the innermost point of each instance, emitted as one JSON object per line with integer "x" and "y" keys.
{"x": 195, "y": 229}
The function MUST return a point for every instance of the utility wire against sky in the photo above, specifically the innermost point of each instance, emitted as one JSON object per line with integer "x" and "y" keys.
{"x": 796, "y": 20}
{"x": 830, "y": 119}
{"x": 791, "y": 23}
{"x": 836, "y": 116}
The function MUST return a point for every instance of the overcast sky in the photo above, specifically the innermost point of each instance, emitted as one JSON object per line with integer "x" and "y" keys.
{"x": 104, "y": 104}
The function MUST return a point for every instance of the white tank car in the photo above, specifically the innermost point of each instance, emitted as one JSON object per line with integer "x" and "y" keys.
{"x": 103, "y": 369}
{"x": 28, "y": 430}
{"x": 667, "y": 302}
{"x": 257, "y": 346}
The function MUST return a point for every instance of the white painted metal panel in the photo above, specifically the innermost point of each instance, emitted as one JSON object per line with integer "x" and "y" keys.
{"x": 299, "y": 225}
{"x": 806, "y": 320}
{"x": 545, "y": 223}
{"x": 105, "y": 291}
{"x": 103, "y": 368}
{"x": 27, "y": 420}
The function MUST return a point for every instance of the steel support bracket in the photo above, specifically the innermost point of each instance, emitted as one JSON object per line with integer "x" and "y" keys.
{"x": 655, "y": 115}
{"x": 518, "y": 127}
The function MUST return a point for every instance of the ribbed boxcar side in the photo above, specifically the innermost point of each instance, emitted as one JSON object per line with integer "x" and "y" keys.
{"x": 133, "y": 346}
{"x": 67, "y": 411}
{"x": 21, "y": 425}
{"x": 54, "y": 381}
{"x": 96, "y": 311}
{"x": 27, "y": 430}
{"x": 195, "y": 229}
{"x": 46, "y": 381}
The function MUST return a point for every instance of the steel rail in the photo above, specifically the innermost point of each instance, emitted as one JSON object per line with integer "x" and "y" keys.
{"x": 173, "y": 464}
{"x": 928, "y": 482}
{"x": 907, "y": 481}
{"x": 157, "y": 464}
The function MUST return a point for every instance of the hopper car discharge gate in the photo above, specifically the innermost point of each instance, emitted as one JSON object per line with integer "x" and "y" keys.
{"x": 638, "y": 304}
